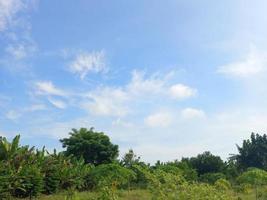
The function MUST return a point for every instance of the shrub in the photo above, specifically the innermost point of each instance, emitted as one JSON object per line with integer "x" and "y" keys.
{"x": 31, "y": 182}
{"x": 73, "y": 173}
{"x": 201, "y": 191}
{"x": 222, "y": 184}
{"x": 110, "y": 174}
{"x": 142, "y": 176}
{"x": 51, "y": 171}
{"x": 211, "y": 178}
{"x": 253, "y": 176}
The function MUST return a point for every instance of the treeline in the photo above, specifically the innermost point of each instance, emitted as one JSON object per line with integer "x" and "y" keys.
{"x": 90, "y": 162}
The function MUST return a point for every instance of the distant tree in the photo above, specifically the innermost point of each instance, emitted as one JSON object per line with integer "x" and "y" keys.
{"x": 205, "y": 163}
{"x": 130, "y": 158}
{"x": 253, "y": 152}
{"x": 94, "y": 147}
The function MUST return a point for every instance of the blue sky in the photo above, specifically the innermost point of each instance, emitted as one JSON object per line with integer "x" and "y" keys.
{"x": 167, "y": 78}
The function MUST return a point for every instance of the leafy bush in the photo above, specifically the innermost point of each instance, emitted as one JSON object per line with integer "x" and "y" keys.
{"x": 142, "y": 176}
{"x": 253, "y": 176}
{"x": 110, "y": 174}
{"x": 31, "y": 181}
{"x": 73, "y": 173}
{"x": 168, "y": 168}
{"x": 201, "y": 191}
{"x": 222, "y": 184}
{"x": 25, "y": 172}
{"x": 51, "y": 172}
{"x": 188, "y": 172}
{"x": 211, "y": 178}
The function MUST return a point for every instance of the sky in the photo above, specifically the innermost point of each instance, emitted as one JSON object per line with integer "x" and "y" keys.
{"x": 169, "y": 79}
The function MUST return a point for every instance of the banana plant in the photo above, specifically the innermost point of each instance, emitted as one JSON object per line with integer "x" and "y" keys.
{"x": 7, "y": 149}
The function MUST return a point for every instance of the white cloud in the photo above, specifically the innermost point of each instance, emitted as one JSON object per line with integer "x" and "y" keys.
{"x": 157, "y": 85}
{"x": 180, "y": 91}
{"x": 192, "y": 113}
{"x": 141, "y": 86}
{"x": 20, "y": 51}
{"x": 8, "y": 11}
{"x": 57, "y": 103}
{"x": 119, "y": 101}
{"x": 253, "y": 64}
{"x": 160, "y": 119}
{"x": 48, "y": 88}
{"x": 107, "y": 102}
{"x": 85, "y": 63}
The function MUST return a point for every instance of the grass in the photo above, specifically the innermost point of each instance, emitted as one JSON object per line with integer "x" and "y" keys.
{"x": 123, "y": 195}
{"x": 138, "y": 195}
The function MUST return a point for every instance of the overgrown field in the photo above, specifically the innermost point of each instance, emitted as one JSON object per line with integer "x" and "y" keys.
{"x": 140, "y": 195}
{"x": 89, "y": 169}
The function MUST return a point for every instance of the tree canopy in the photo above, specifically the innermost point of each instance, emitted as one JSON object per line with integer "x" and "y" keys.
{"x": 253, "y": 152}
{"x": 205, "y": 163}
{"x": 94, "y": 147}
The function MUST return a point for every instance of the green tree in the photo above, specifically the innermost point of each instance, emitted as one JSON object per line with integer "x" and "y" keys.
{"x": 130, "y": 158}
{"x": 205, "y": 163}
{"x": 94, "y": 147}
{"x": 253, "y": 152}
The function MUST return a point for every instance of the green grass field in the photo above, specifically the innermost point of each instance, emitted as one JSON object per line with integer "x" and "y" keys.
{"x": 129, "y": 195}
{"x": 138, "y": 195}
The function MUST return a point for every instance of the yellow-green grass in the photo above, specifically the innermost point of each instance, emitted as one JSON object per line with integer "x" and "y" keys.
{"x": 123, "y": 195}
{"x": 145, "y": 195}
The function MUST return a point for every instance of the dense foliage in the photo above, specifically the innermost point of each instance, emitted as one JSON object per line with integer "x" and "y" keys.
{"x": 93, "y": 147}
{"x": 253, "y": 152}
{"x": 89, "y": 164}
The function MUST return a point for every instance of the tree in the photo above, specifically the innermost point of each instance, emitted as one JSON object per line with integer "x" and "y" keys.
{"x": 205, "y": 163}
{"x": 130, "y": 158}
{"x": 253, "y": 152}
{"x": 94, "y": 147}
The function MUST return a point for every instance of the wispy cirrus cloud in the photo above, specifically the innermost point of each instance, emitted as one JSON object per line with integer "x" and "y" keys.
{"x": 15, "y": 28}
{"x": 48, "y": 88}
{"x": 253, "y": 64}
{"x": 57, "y": 103}
{"x": 88, "y": 62}
{"x": 51, "y": 93}
{"x": 21, "y": 50}
{"x": 9, "y": 10}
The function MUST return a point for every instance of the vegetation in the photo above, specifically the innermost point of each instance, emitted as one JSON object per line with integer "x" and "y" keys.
{"x": 93, "y": 147}
{"x": 89, "y": 169}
